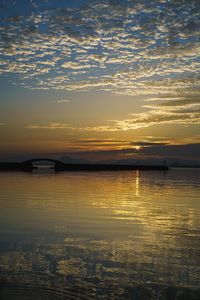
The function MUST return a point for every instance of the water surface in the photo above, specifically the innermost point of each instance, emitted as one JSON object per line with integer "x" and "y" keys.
{"x": 100, "y": 235}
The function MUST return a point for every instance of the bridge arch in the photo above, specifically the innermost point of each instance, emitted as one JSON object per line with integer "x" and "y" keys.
{"x": 35, "y": 160}
{"x": 29, "y": 164}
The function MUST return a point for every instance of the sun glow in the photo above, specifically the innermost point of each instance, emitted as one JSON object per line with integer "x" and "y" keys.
{"x": 137, "y": 147}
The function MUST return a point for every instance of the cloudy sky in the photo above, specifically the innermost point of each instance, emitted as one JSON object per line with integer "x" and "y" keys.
{"x": 100, "y": 79}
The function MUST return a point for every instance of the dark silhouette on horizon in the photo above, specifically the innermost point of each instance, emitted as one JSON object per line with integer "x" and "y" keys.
{"x": 57, "y": 165}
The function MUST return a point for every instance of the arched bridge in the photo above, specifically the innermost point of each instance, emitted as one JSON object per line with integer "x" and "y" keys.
{"x": 29, "y": 164}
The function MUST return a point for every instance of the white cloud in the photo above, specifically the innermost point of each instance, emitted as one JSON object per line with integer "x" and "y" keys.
{"x": 52, "y": 126}
{"x": 62, "y": 101}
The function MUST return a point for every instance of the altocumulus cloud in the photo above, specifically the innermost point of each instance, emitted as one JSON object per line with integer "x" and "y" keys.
{"x": 125, "y": 47}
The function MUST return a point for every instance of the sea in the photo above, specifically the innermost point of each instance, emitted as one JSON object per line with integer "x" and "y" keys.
{"x": 100, "y": 235}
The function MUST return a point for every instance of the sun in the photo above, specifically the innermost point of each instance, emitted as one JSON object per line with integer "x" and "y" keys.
{"x": 137, "y": 147}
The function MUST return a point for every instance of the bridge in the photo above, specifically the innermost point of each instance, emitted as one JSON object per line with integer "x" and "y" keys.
{"x": 31, "y": 164}
{"x": 36, "y": 162}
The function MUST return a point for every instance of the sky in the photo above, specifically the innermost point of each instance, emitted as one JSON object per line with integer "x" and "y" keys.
{"x": 100, "y": 80}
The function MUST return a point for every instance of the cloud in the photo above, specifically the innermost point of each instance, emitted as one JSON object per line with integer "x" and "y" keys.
{"x": 184, "y": 112}
{"x": 132, "y": 44}
{"x": 178, "y": 105}
{"x": 76, "y": 65}
{"x": 164, "y": 110}
{"x": 117, "y": 144}
{"x": 124, "y": 47}
{"x": 174, "y": 151}
{"x": 52, "y": 126}
{"x": 62, "y": 101}
{"x": 182, "y": 102}
{"x": 140, "y": 120}
{"x": 187, "y": 152}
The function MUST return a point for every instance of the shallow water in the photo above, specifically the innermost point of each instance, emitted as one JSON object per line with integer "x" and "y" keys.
{"x": 100, "y": 235}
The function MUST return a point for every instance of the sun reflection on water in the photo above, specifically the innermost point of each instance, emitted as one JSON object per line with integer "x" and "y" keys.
{"x": 137, "y": 184}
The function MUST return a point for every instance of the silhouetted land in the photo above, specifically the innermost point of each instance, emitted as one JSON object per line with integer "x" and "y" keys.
{"x": 28, "y": 166}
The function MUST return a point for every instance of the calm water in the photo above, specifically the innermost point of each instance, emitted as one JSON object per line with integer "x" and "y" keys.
{"x": 100, "y": 235}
